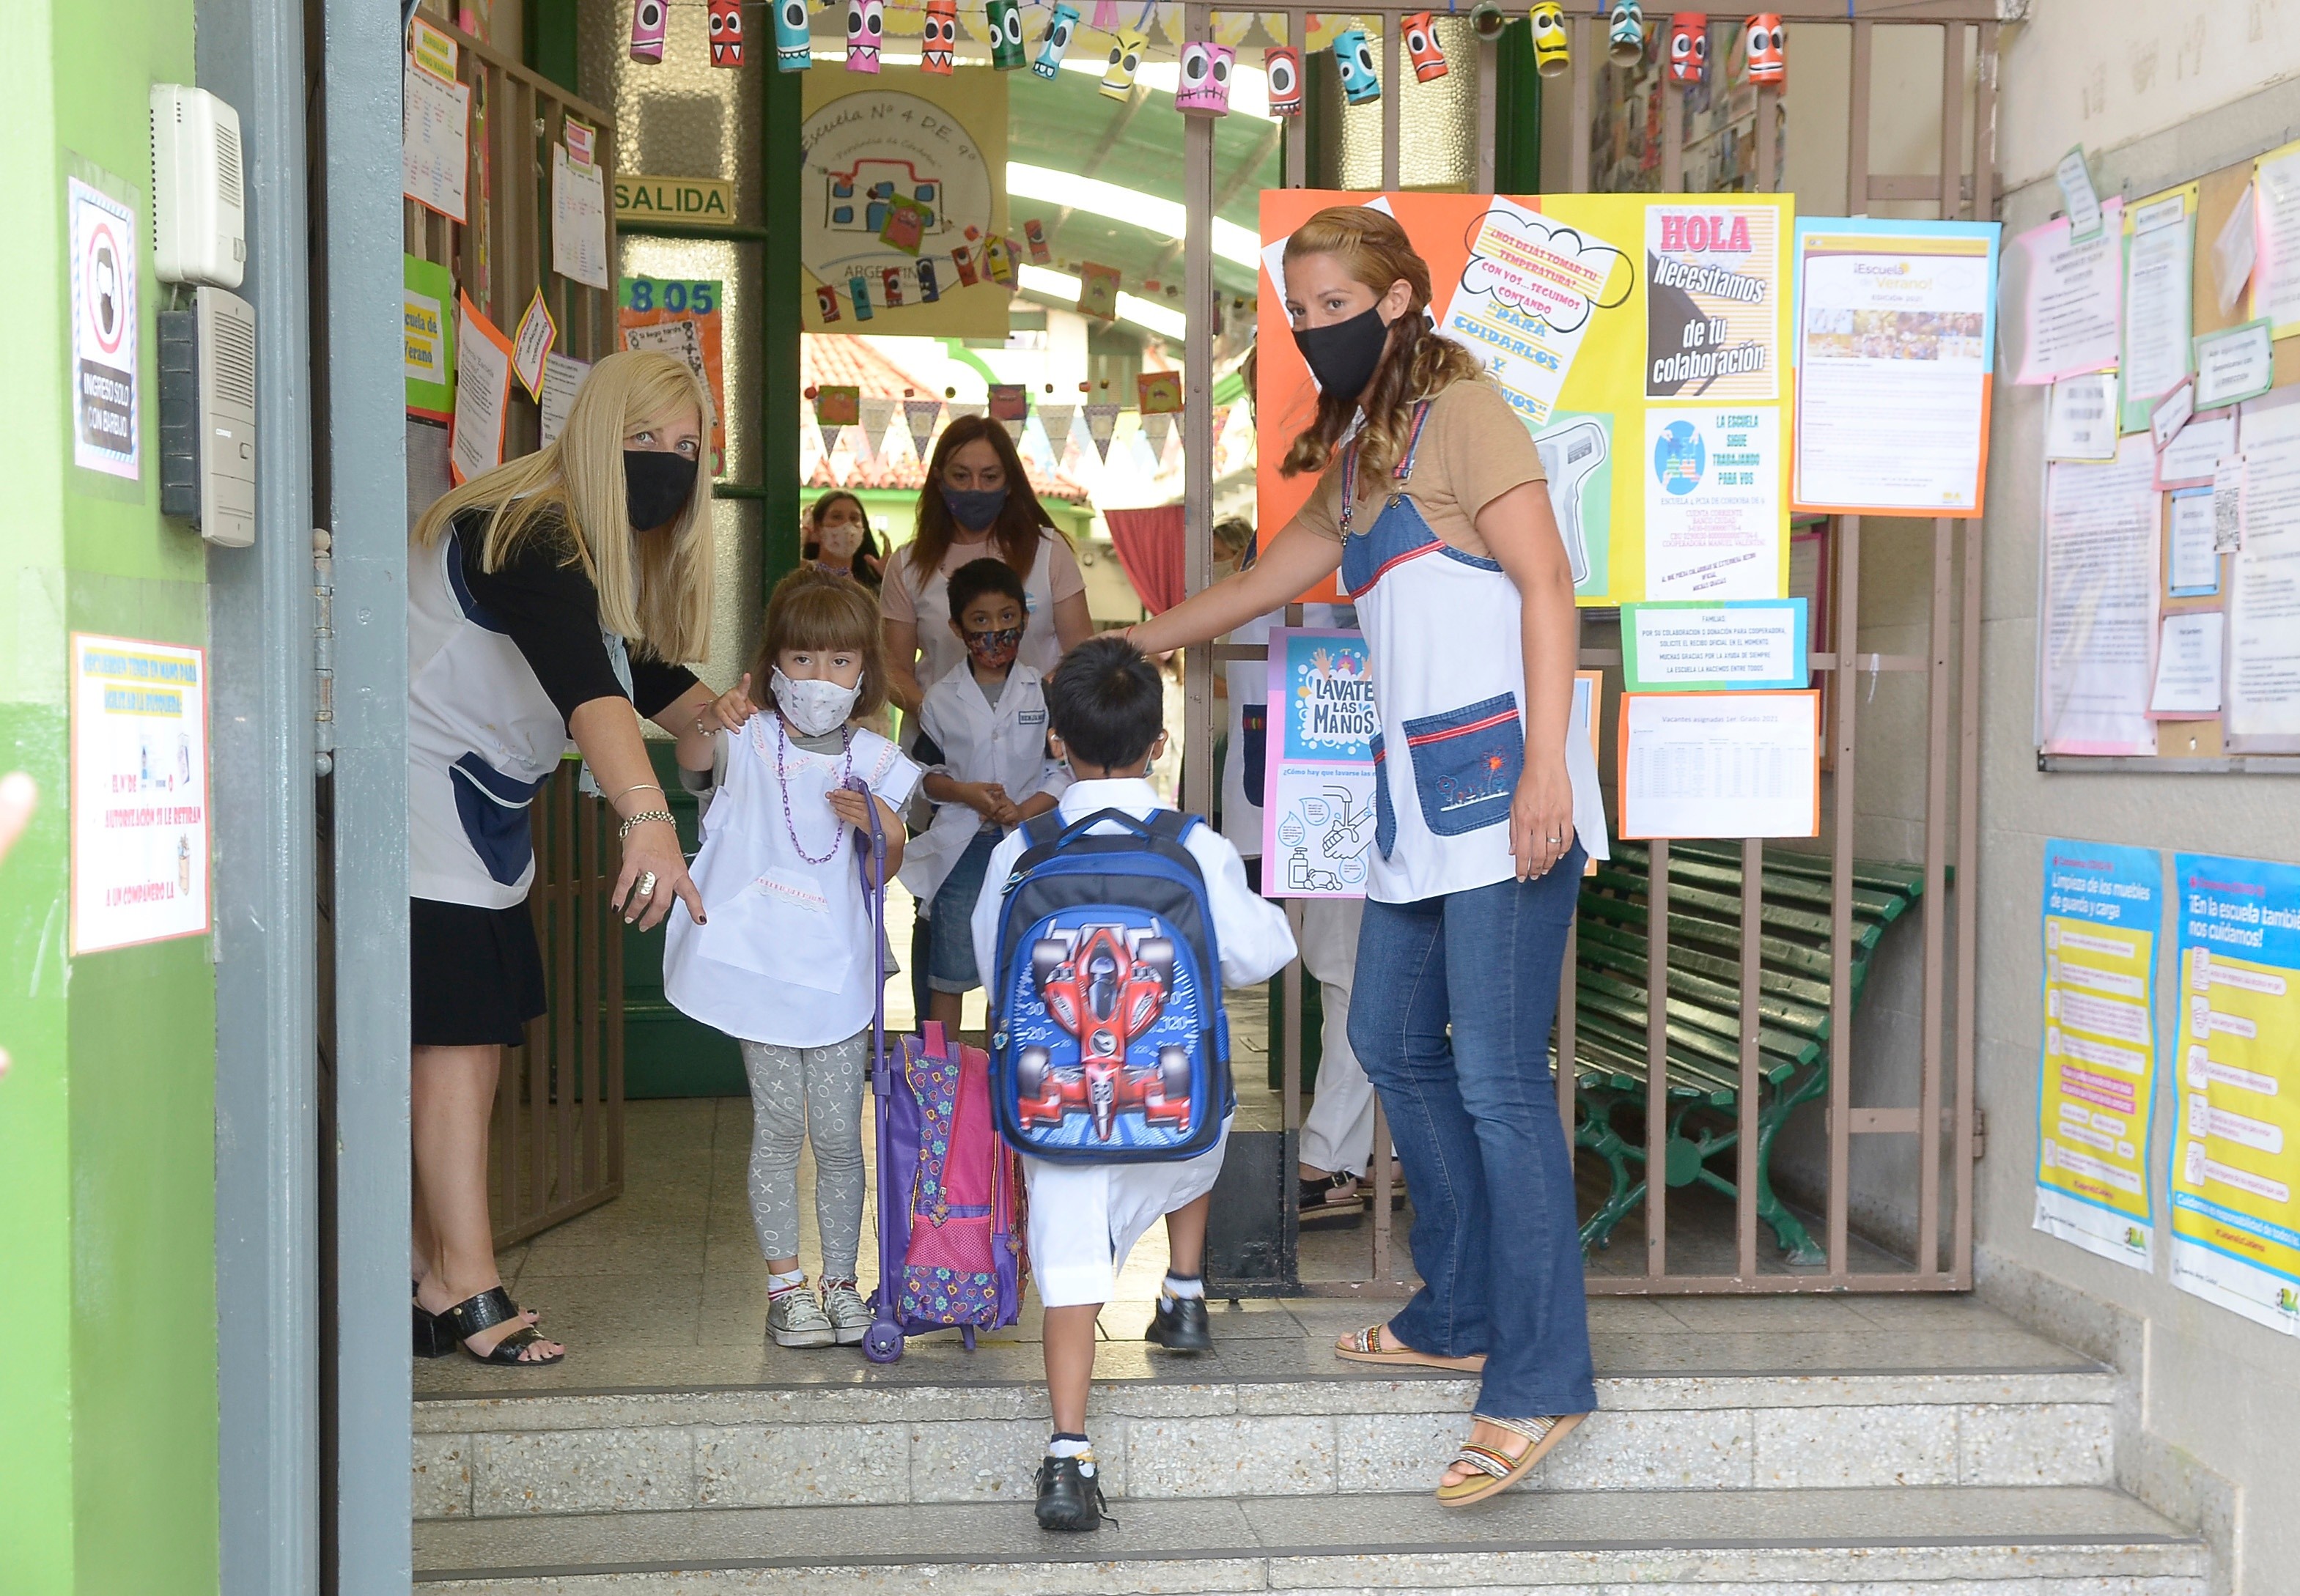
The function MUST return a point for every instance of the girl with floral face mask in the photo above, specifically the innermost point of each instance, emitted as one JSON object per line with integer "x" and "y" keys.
{"x": 839, "y": 537}
{"x": 783, "y": 959}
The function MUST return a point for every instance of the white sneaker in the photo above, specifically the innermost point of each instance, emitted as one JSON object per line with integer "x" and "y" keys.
{"x": 796, "y": 1320}
{"x": 849, "y": 1315}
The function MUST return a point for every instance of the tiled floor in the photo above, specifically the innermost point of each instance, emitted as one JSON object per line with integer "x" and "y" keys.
{"x": 664, "y": 1287}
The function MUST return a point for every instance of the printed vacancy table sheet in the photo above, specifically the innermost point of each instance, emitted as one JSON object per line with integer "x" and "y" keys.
{"x": 1895, "y": 341}
{"x": 2263, "y": 646}
{"x": 2236, "y": 1133}
{"x": 2094, "y": 1101}
{"x": 1720, "y": 764}
{"x": 2099, "y": 636}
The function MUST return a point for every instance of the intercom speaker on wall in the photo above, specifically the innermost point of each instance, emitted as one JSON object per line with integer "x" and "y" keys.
{"x": 199, "y": 208}
{"x": 207, "y": 416}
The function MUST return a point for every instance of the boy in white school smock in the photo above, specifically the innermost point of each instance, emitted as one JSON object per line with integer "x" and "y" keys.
{"x": 988, "y": 717}
{"x": 1106, "y": 703}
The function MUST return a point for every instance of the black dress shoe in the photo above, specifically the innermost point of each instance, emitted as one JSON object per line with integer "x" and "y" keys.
{"x": 1069, "y": 1498}
{"x": 1180, "y": 1325}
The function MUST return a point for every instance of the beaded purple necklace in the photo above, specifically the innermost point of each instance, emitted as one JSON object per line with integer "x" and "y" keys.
{"x": 782, "y": 790}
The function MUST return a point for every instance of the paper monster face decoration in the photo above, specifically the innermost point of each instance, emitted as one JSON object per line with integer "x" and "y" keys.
{"x": 1625, "y": 33}
{"x": 938, "y": 39}
{"x": 1282, "y": 64}
{"x": 1688, "y": 47}
{"x": 792, "y": 43}
{"x": 648, "y": 22}
{"x": 726, "y": 33}
{"x": 1552, "y": 46}
{"x": 866, "y": 22}
{"x": 1005, "y": 18}
{"x": 1055, "y": 43}
{"x": 1126, "y": 48}
{"x": 1360, "y": 85}
{"x": 1768, "y": 63}
{"x": 1203, "y": 88}
{"x": 1422, "y": 48}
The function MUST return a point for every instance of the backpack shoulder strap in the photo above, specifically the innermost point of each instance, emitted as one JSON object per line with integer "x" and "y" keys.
{"x": 1041, "y": 829}
{"x": 1172, "y": 825}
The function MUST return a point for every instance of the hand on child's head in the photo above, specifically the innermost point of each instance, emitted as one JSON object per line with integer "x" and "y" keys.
{"x": 840, "y": 665}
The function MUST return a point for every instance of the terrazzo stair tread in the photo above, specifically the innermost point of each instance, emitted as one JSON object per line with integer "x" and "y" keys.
{"x": 1525, "y": 1539}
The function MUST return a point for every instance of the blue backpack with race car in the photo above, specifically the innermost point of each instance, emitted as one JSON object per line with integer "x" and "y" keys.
{"x": 1108, "y": 1040}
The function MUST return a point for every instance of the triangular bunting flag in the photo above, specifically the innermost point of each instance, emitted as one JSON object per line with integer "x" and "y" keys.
{"x": 1057, "y": 419}
{"x": 1105, "y": 14}
{"x": 1101, "y": 422}
{"x": 922, "y": 414}
{"x": 1156, "y": 425}
{"x": 829, "y": 441}
{"x": 958, "y": 409}
{"x": 877, "y": 413}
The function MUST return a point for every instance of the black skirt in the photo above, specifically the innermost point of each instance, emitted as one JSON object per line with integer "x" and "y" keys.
{"x": 476, "y": 974}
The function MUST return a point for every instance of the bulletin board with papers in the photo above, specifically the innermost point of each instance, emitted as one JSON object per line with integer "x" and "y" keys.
{"x": 2170, "y": 561}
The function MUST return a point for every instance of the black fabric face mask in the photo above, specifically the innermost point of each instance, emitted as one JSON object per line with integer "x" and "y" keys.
{"x": 656, "y": 486}
{"x": 1343, "y": 354}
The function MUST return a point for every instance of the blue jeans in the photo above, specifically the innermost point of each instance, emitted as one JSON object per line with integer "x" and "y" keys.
{"x": 1474, "y": 1114}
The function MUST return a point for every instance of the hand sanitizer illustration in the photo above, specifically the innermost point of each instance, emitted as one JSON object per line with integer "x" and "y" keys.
{"x": 1568, "y": 454}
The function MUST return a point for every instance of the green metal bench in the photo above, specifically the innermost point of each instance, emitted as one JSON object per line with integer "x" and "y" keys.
{"x": 1704, "y": 1012}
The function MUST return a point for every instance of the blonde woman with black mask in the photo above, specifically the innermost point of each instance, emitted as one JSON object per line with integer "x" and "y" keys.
{"x": 548, "y": 602}
{"x": 1430, "y": 502}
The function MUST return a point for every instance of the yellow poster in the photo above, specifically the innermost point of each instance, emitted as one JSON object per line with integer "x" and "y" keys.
{"x": 2095, "y": 1098}
{"x": 1640, "y": 337}
{"x": 2235, "y": 1143}
{"x": 938, "y": 144}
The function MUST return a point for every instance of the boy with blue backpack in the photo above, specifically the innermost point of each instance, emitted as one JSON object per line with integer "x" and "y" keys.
{"x": 1106, "y": 931}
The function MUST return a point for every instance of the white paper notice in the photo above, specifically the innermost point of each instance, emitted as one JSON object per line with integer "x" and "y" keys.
{"x": 562, "y": 374}
{"x": 2239, "y": 363}
{"x": 2099, "y": 641}
{"x": 2064, "y": 298}
{"x": 1720, "y": 764}
{"x": 139, "y": 782}
{"x": 2156, "y": 304}
{"x": 482, "y": 394}
{"x": 531, "y": 342}
{"x": 2083, "y": 417}
{"x": 2234, "y": 252}
{"x": 2078, "y": 193}
{"x": 2276, "y": 202}
{"x": 2263, "y": 653}
{"x": 2188, "y": 668}
{"x": 2165, "y": 421}
{"x": 1713, "y": 504}
{"x": 2192, "y": 565}
{"x": 1525, "y": 299}
{"x": 106, "y": 413}
{"x": 435, "y": 122}
{"x": 2228, "y": 503}
{"x": 2190, "y": 460}
{"x": 1892, "y": 373}
{"x": 578, "y": 220}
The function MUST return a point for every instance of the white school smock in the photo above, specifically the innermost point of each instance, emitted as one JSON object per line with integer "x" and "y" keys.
{"x": 1004, "y": 743}
{"x": 1444, "y": 633}
{"x": 1085, "y": 1219}
{"x": 785, "y": 956}
{"x": 929, "y": 602}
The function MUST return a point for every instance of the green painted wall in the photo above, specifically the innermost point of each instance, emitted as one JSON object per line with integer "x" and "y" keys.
{"x": 107, "y": 1140}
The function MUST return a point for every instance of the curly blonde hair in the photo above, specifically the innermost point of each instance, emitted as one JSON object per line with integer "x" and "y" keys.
{"x": 1416, "y": 363}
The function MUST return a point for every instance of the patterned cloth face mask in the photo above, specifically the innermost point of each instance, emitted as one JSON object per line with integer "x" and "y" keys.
{"x": 995, "y": 651}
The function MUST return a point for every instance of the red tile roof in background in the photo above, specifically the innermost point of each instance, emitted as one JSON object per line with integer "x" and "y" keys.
{"x": 842, "y": 360}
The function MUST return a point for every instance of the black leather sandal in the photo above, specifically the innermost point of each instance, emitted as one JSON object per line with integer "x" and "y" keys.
{"x": 490, "y": 1308}
{"x": 433, "y": 1337}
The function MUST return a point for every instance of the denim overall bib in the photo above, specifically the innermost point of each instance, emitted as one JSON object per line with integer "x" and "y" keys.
{"x": 1443, "y": 629}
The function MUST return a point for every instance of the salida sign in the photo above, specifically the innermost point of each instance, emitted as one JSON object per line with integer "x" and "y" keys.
{"x": 698, "y": 202}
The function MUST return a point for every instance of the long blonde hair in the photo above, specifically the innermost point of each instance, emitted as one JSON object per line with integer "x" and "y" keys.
{"x": 655, "y": 584}
{"x": 1416, "y": 363}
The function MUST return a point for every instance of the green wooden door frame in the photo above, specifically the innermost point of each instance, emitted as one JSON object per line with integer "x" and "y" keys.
{"x": 1517, "y": 112}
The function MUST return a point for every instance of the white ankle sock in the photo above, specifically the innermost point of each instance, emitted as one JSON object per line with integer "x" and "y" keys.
{"x": 1073, "y": 1446}
{"x": 776, "y": 1284}
{"x": 1177, "y": 1286}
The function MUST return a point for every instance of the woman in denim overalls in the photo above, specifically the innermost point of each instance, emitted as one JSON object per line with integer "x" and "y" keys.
{"x": 1482, "y": 801}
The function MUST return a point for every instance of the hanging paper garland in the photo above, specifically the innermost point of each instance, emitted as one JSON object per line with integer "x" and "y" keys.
{"x": 1100, "y": 422}
{"x": 1158, "y": 392}
{"x": 726, "y": 33}
{"x": 922, "y": 414}
{"x": 1058, "y": 420}
{"x": 648, "y": 23}
{"x": 1098, "y": 291}
{"x": 1156, "y": 426}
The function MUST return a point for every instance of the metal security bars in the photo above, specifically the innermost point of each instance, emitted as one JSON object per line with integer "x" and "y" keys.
{"x": 1799, "y": 927}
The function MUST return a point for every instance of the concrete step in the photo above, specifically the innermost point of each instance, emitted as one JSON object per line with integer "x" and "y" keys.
{"x": 2062, "y": 1541}
{"x": 1309, "y": 1435}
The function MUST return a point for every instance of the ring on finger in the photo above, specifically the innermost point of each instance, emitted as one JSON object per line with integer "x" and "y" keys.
{"x": 646, "y": 886}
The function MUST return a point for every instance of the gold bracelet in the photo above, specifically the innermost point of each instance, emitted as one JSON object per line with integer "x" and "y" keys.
{"x": 641, "y": 818}
{"x": 638, "y": 786}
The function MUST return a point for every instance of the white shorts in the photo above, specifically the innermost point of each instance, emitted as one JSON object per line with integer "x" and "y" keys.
{"x": 1085, "y": 1219}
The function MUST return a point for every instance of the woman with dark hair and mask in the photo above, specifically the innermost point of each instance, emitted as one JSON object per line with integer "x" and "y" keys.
{"x": 977, "y": 504}
{"x": 1432, "y": 502}
{"x": 548, "y": 603}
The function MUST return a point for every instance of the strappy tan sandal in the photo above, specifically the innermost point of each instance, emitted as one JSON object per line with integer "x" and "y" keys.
{"x": 1499, "y": 1470}
{"x": 1366, "y": 1346}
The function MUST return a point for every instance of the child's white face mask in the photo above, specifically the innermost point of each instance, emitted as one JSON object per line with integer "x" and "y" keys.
{"x": 815, "y": 706}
